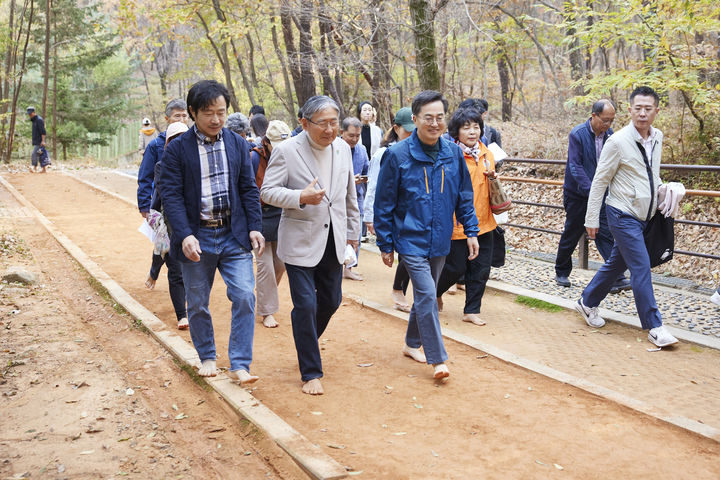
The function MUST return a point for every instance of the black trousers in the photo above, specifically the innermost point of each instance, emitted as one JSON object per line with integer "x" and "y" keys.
{"x": 175, "y": 282}
{"x": 476, "y": 271}
{"x": 316, "y": 294}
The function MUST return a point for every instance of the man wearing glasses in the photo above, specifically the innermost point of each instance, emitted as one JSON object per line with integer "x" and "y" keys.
{"x": 424, "y": 180}
{"x": 586, "y": 142}
{"x": 310, "y": 176}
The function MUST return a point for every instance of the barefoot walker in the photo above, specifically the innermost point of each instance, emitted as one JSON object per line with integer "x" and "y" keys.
{"x": 422, "y": 181}
{"x": 213, "y": 207}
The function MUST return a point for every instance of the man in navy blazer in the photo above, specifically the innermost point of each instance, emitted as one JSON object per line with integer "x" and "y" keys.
{"x": 585, "y": 144}
{"x": 212, "y": 205}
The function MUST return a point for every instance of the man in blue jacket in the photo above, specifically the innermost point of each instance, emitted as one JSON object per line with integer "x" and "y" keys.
{"x": 424, "y": 180}
{"x": 586, "y": 143}
{"x": 212, "y": 204}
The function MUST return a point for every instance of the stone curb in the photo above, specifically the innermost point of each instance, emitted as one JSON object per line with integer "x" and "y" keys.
{"x": 306, "y": 454}
{"x": 679, "y": 421}
{"x": 629, "y": 320}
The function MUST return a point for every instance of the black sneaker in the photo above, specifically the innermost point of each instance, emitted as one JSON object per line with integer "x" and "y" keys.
{"x": 563, "y": 281}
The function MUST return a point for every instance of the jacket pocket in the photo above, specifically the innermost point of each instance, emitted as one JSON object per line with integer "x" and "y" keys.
{"x": 641, "y": 199}
{"x": 297, "y": 231}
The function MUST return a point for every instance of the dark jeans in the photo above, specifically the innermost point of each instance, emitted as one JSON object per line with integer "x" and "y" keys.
{"x": 476, "y": 272}
{"x": 575, "y": 209}
{"x": 316, "y": 294}
{"x": 402, "y": 278}
{"x": 175, "y": 282}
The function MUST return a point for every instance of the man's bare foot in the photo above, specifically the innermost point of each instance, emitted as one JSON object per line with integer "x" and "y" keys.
{"x": 313, "y": 387}
{"x": 208, "y": 368}
{"x": 441, "y": 371}
{"x": 31, "y": 170}
{"x": 242, "y": 377}
{"x": 414, "y": 353}
{"x": 400, "y": 301}
{"x": 150, "y": 283}
{"x": 269, "y": 321}
{"x": 43, "y": 170}
{"x": 440, "y": 304}
{"x": 473, "y": 318}
{"x": 452, "y": 290}
{"x": 183, "y": 324}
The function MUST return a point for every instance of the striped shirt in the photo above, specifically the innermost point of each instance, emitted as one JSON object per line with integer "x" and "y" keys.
{"x": 214, "y": 177}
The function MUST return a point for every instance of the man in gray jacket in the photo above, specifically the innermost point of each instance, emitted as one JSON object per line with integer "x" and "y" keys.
{"x": 629, "y": 167}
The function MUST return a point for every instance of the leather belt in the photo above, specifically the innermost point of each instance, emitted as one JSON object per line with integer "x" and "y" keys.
{"x": 215, "y": 222}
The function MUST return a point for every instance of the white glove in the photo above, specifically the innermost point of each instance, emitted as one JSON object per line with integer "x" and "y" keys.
{"x": 669, "y": 197}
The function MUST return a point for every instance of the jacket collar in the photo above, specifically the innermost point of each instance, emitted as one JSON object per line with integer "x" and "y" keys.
{"x": 417, "y": 152}
{"x": 607, "y": 133}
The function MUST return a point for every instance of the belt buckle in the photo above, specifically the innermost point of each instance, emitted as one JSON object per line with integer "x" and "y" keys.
{"x": 213, "y": 223}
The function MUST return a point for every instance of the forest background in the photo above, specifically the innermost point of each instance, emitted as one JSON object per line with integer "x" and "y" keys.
{"x": 91, "y": 68}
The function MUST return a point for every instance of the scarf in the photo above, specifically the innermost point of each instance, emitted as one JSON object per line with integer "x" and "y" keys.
{"x": 474, "y": 151}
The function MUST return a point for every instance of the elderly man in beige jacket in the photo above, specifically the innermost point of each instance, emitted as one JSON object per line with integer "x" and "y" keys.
{"x": 629, "y": 169}
{"x": 310, "y": 176}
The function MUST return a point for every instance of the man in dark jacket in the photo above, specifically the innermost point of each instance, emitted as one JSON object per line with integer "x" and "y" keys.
{"x": 213, "y": 207}
{"x": 424, "y": 180}
{"x": 38, "y": 137}
{"x": 586, "y": 143}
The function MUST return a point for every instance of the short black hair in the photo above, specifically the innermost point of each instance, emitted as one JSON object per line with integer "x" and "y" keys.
{"x": 204, "y": 93}
{"x": 476, "y": 103}
{"x": 299, "y": 113}
{"x": 425, "y": 97}
{"x": 259, "y": 123}
{"x": 255, "y": 109}
{"x": 360, "y": 105}
{"x": 463, "y": 116}
{"x": 645, "y": 91}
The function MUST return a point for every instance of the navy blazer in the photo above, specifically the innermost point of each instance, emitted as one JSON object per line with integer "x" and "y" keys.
{"x": 181, "y": 191}
{"x": 582, "y": 160}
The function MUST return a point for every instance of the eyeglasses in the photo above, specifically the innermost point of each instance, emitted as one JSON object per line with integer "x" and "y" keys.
{"x": 431, "y": 120}
{"x": 324, "y": 125}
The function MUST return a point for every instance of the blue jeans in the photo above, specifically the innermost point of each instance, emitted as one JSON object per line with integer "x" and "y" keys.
{"x": 221, "y": 251}
{"x": 575, "y": 209}
{"x": 424, "y": 324}
{"x": 316, "y": 295}
{"x": 629, "y": 252}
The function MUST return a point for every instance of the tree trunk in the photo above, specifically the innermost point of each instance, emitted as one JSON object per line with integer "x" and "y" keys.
{"x": 5, "y": 86}
{"x": 304, "y": 26}
{"x": 381, "y": 64}
{"x": 286, "y": 77}
{"x": 54, "y": 103}
{"x": 575, "y": 56}
{"x": 505, "y": 95}
{"x": 46, "y": 69}
{"x": 425, "y": 52}
{"x": 304, "y": 83}
{"x": 19, "y": 77}
{"x": 222, "y": 56}
{"x": 328, "y": 59}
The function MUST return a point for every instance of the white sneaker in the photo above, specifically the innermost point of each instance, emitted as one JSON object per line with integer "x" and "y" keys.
{"x": 591, "y": 316}
{"x": 661, "y": 337}
{"x": 715, "y": 298}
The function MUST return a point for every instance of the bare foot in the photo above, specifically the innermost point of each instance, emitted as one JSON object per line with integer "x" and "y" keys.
{"x": 460, "y": 286}
{"x": 242, "y": 377}
{"x": 313, "y": 387}
{"x": 400, "y": 301}
{"x": 269, "y": 321}
{"x": 183, "y": 324}
{"x": 350, "y": 275}
{"x": 207, "y": 369}
{"x": 414, "y": 353}
{"x": 441, "y": 371}
{"x": 473, "y": 318}
{"x": 440, "y": 304}
{"x": 150, "y": 283}
{"x": 452, "y": 290}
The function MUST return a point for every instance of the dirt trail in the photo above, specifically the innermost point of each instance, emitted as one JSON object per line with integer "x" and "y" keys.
{"x": 87, "y": 395}
{"x": 389, "y": 420}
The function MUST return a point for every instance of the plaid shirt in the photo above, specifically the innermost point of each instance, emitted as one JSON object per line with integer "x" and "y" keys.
{"x": 214, "y": 177}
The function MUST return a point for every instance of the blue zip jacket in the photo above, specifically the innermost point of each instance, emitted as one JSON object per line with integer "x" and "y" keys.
{"x": 416, "y": 198}
{"x": 146, "y": 173}
{"x": 581, "y": 160}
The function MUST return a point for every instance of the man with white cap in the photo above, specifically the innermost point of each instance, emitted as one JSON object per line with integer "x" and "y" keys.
{"x": 270, "y": 268}
{"x": 147, "y": 135}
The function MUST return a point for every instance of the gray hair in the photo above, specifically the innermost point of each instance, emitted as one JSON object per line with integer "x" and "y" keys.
{"x": 238, "y": 123}
{"x": 317, "y": 103}
{"x": 351, "y": 122}
{"x": 600, "y": 105}
{"x": 175, "y": 104}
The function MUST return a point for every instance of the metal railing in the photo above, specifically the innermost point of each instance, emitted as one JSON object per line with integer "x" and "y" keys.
{"x": 583, "y": 246}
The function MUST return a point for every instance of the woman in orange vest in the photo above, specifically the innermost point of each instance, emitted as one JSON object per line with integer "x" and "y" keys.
{"x": 466, "y": 127}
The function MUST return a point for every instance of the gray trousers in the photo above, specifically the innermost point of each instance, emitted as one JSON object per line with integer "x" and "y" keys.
{"x": 269, "y": 271}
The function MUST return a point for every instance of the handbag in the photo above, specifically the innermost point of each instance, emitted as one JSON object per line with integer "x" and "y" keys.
{"x": 659, "y": 237}
{"x": 499, "y": 200}
{"x": 498, "y": 251}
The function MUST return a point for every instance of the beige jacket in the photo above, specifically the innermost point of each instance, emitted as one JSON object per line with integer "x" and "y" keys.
{"x": 303, "y": 231}
{"x": 622, "y": 171}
